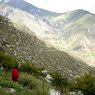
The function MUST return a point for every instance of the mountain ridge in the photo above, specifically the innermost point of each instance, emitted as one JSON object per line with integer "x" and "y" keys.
{"x": 25, "y": 6}
{"x": 71, "y": 30}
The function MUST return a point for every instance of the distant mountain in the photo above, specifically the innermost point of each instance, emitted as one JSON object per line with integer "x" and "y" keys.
{"x": 72, "y": 31}
{"x": 25, "y": 6}
{"x": 78, "y": 32}
{"x": 25, "y": 46}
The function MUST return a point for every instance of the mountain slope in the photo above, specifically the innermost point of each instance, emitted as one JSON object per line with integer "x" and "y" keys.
{"x": 76, "y": 30}
{"x": 79, "y": 36}
{"x": 73, "y": 30}
{"x": 62, "y": 27}
{"x": 68, "y": 17}
{"x": 28, "y": 20}
{"x": 27, "y": 47}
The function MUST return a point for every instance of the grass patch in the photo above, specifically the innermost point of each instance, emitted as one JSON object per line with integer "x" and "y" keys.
{"x": 26, "y": 85}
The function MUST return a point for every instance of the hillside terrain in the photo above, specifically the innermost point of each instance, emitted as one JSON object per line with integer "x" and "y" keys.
{"x": 54, "y": 52}
{"x": 32, "y": 82}
{"x": 72, "y": 31}
{"x": 27, "y": 47}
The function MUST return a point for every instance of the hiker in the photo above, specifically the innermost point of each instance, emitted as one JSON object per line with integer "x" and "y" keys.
{"x": 15, "y": 74}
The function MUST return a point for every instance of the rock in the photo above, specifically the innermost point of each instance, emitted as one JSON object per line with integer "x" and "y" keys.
{"x": 1, "y": 68}
{"x": 10, "y": 90}
{"x": 54, "y": 92}
{"x": 48, "y": 78}
{"x": 44, "y": 73}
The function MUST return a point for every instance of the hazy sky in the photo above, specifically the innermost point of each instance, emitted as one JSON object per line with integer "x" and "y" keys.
{"x": 64, "y": 5}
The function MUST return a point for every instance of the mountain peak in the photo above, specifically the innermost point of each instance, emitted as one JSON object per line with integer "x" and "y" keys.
{"x": 79, "y": 12}
{"x": 83, "y": 11}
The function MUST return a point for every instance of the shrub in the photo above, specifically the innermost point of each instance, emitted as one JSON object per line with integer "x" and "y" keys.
{"x": 7, "y": 61}
{"x": 34, "y": 84}
{"x": 85, "y": 84}
{"x": 59, "y": 81}
{"x": 36, "y": 71}
{"x": 30, "y": 68}
{"x": 10, "y": 84}
{"x": 26, "y": 67}
{"x": 27, "y": 82}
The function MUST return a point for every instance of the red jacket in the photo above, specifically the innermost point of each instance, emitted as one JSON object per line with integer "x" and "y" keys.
{"x": 15, "y": 74}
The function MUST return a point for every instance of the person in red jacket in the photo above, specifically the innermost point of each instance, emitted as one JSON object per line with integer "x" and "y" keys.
{"x": 15, "y": 74}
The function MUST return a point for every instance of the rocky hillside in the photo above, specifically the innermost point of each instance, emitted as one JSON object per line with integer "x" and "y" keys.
{"x": 72, "y": 30}
{"x": 27, "y": 47}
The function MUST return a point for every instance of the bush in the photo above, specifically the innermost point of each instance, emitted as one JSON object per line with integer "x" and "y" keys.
{"x": 7, "y": 61}
{"x": 36, "y": 71}
{"x": 10, "y": 84}
{"x": 85, "y": 84}
{"x": 34, "y": 84}
{"x": 59, "y": 81}
{"x": 26, "y": 67}
{"x": 27, "y": 82}
{"x": 30, "y": 68}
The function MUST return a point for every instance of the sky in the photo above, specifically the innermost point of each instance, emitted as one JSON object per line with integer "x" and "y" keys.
{"x": 64, "y": 5}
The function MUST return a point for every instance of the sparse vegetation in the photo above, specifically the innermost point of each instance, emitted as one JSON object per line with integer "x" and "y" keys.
{"x": 27, "y": 82}
{"x": 60, "y": 82}
{"x": 27, "y": 47}
{"x": 85, "y": 84}
{"x": 7, "y": 61}
{"x": 31, "y": 85}
{"x": 21, "y": 49}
